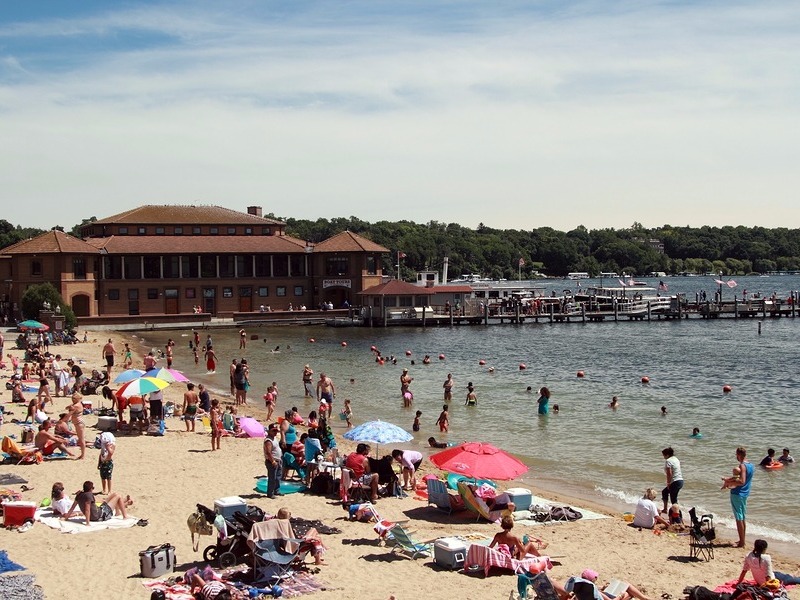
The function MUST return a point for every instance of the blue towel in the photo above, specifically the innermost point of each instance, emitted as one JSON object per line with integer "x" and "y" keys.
{"x": 7, "y": 565}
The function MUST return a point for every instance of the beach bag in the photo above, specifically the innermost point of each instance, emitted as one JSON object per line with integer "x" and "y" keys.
{"x": 698, "y": 592}
{"x": 198, "y": 525}
{"x": 321, "y": 484}
{"x": 564, "y": 513}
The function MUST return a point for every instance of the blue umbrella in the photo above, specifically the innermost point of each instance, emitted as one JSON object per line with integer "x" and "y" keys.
{"x": 128, "y": 375}
{"x": 378, "y": 432}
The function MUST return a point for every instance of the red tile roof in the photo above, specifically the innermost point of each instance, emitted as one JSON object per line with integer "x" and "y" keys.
{"x": 177, "y": 214}
{"x": 396, "y": 287}
{"x": 51, "y": 242}
{"x": 347, "y": 241}
{"x": 200, "y": 244}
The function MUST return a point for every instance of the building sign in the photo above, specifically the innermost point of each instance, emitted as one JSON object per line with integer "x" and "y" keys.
{"x": 329, "y": 283}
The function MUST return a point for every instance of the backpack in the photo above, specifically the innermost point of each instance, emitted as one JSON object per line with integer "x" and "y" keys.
{"x": 322, "y": 484}
{"x": 564, "y": 513}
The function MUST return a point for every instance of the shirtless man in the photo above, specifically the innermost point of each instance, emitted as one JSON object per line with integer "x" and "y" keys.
{"x": 326, "y": 391}
{"x": 190, "y": 401}
{"x": 48, "y": 442}
{"x": 108, "y": 352}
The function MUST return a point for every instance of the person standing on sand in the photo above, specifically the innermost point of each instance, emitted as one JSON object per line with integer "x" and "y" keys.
{"x": 672, "y": 469}
{"x": 190, "y": 401}
{"x": 211, "y": 360}
{"x": 326, "y": 391}
{"x": 232, "y": 370}
{"x": 240, "y": 382}
{"x": 739, "y": 485}
{"x": 168, "y": 354}
{"x": 108, "y": 353}
{"x": 215, "y": 416}
{"x": 105, "y": 462}
{"x": 75, "y": 411}
{"x": 127, "y": 357}
{"x": 308, "y": 385}
{"x": 150, "y": 361}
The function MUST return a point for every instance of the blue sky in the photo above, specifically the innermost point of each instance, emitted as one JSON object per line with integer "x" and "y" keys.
{"x": 511, "y": 114}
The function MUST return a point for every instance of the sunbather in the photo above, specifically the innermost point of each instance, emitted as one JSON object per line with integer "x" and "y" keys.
{"x": 48, "y": 442}
{"x": 85, "y": 503}
{"x": 510, "y": 544}
{"x": 589, "y": 577}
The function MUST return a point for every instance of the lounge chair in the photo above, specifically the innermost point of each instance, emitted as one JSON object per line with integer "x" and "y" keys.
{"x": 441, "y": 498}
{"x": 542, "y": 586}
{"x": 483, "y": 556}
{"x": 290, "y": 464}
{"x": 404, "y": 542}
{"x": 274, "y": 550}
{"x": 701, "y": 536}
{"x": 477, "y": 505}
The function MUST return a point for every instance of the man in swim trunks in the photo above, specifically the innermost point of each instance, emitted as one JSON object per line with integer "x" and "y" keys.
{"x": 85, "y": 502}
{"x": 108, "y": 352}
{"x": 48, "y": 442}
{"x": 740, "y": 490}
{"x": 326, "y": 391}
{"x": 190, "y": 401}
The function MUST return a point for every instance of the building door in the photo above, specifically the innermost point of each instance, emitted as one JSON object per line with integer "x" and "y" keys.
{"x": 133, "y": 302}
{"x": 80, "y": 305}
{"x": 245, "y": 298}
{"x": 171, "y": 306}
{"x": 210, "y": 301}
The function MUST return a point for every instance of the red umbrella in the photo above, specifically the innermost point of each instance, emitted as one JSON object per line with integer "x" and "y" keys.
{"x": 479, "y": 460}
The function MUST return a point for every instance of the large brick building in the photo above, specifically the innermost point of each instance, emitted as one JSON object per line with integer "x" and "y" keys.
{"x": 156, "y": 260}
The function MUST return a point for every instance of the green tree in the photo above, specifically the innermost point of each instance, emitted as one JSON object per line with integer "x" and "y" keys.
{"x": 34, "y": 298}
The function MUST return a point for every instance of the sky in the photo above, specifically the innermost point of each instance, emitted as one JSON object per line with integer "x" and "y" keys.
{"x": 512, "y": 114}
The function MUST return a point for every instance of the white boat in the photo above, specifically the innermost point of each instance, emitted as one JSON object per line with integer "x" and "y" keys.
{"x": 578, "y": 275}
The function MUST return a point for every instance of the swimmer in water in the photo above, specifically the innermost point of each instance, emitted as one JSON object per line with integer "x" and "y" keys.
{"x": 556, "y": 408}
{"x": 663, "y": 411}
{"x": 614, "y": 404}
{"x": 696, "y": 433}
{"x": 434, "y": 444}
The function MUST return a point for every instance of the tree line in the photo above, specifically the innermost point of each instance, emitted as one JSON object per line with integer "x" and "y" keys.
{"x": 496, "y": 253}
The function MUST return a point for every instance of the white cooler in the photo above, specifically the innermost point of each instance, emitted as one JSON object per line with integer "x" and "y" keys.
{"x": 229, "y": 505}
{"x": 107, "y": 423}
{"x": 450, "y": 552}
{"x": 521, "y": 498}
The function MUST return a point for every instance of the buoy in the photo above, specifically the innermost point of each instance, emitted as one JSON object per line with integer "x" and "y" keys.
{"x": 727, "y": 389}
{"x": 522, "y": 366}
{"x": 372, "y": 348}
{"x": 408, "y": 352}
{"x": 380, "y": 361}
{"x": 311, "y": 340}
{"x": 581, "y": 373}
{"x": 481, "y": 362}
{"x": 441, "y": 357}
{"x": 645, "y": 379}
{"x": 344, "y": 344}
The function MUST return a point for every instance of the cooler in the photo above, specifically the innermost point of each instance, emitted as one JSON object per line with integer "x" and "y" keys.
{"x": 521, "y": 498}
{"x": 16, "y": 512}
{"x": 229, "y": 505}
{"x": 87, "y": 406}
{"x": 157, "y": 560}
{"x": 450, "y": 552}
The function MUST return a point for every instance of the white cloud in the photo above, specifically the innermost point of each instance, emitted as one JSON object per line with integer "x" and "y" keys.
{"x": 658, "y": 114}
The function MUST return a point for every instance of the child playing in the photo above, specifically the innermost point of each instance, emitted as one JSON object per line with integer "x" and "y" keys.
{"x": 269, "y": 398}
{"x": 347, "y": 411}
{"x": 312, "y": 420}
{"x": 216, "y": 424}
{"x": 444, "y": 419}
{"x": 415, "y": 426}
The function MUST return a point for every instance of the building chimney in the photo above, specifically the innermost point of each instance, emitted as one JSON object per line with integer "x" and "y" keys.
{"x": 445, "y": 264}
{"x": 254, "y": 210}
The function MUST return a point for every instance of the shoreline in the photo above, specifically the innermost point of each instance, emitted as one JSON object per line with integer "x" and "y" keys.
{"x": 167, "y": 475}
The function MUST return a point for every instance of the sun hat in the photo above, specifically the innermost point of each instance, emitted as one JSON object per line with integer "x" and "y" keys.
{"x": 590, "y": 574}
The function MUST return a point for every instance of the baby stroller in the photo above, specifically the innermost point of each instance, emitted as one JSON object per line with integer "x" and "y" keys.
{"x": 95, "y": 382}
{"x": 231, "y": 547}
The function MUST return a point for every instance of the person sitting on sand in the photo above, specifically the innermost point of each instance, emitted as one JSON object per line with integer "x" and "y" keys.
{"x": 491, "y": 498}
{"x": 646, "y": 515}
{"x": 311, "y": 539}
{"x": 359, "y": 465}
{"x": 85, "y": 503}
{"x": 47, "y": 442}
{"x": 585, "y": 588}
{"x": 509, "y": 544}
{"x": 63, "y": 429}
{"x": 760, "y": 565}
{"x": 59, "y": 502}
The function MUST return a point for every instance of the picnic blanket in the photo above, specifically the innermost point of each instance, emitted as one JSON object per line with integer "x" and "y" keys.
{"x": 77, "y": 524}
{"x": 298, "y": 584}
{"x": 538, "y": 505}
{"x": 9, "y": 478}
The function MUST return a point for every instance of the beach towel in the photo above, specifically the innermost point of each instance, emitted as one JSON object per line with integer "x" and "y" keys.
{"x": 175, "y": 591}
{"x": 20, "y": 586}
{"x": 77, "y": 524}
{"x": 7, "y": 565}
{"x": 9, "y": 478}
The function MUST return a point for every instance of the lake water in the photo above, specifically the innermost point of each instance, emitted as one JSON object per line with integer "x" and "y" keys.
{"x": 586, "y": 449}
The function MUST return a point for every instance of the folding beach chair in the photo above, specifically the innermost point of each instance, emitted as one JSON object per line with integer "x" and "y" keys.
{"x": 438, "y": 495}
{"x": 404, "y": 542}
{"x": 701, "y": 536}
{"x": 274, "y": 550}
{"x": 541, "y": 584}
{"x": 477, "y": 505}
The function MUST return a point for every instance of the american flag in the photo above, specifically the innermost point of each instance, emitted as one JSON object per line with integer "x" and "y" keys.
{"x": 400, "y": 254}
{"x": 662, "y": 287}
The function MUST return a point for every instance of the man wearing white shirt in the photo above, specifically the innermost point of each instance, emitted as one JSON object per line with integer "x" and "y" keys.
{"x": 410, "y": 460}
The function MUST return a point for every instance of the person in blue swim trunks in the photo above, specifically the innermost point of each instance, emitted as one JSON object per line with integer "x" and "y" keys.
{"x": 739, "y": 485}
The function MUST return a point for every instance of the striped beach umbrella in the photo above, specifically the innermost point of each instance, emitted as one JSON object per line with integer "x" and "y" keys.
{"x": 168, "y": 375}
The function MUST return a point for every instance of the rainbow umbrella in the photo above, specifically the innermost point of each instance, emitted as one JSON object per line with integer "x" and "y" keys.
{"x": 143, "y": 385}
{"x": 168, "y": 375}
{"x": 128, "y": 375}
{"x": 480, "y": 461}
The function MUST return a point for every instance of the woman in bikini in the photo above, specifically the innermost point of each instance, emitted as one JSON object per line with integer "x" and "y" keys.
{"x": 75, "y": 411}
{"x": 509, "y": 544}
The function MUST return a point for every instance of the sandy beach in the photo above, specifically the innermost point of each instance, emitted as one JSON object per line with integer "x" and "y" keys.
{"x": 166, "y": 476}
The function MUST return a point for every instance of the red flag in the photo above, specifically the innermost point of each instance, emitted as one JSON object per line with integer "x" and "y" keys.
{"x": 521, "y": 262}
{"x": 400, "y": 254}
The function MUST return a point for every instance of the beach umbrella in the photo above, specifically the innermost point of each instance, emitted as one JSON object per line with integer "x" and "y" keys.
{"x": 143, "y": 385}
{"x": 479, "y": 460}
{"x": 378, "y": 432}
{"x": 31, "y": 325}
{"x": 128, "y": 375}
{"x": 168, "y": 375}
